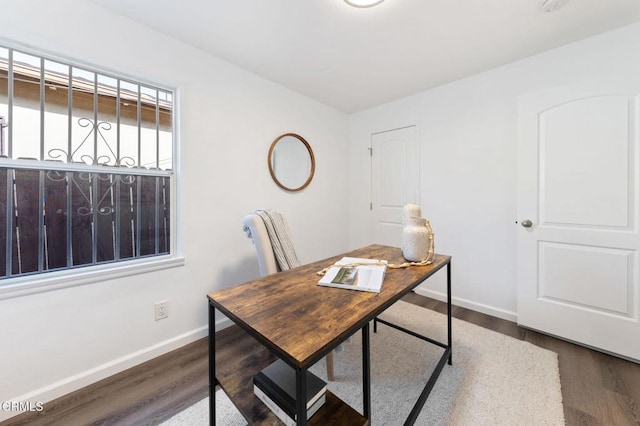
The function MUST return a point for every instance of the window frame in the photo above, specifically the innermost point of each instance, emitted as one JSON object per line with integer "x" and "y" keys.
{"x": 32, "y": 283}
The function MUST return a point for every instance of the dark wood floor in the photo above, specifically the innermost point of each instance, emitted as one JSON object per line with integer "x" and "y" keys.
{"x": 597, "y": 389}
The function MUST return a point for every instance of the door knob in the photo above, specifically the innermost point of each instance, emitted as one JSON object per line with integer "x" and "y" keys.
{"x": 526, "y": 223}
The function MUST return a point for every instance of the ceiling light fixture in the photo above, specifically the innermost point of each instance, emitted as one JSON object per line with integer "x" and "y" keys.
{"x": 363, "y": 3}
{"x": 552, "y": 5}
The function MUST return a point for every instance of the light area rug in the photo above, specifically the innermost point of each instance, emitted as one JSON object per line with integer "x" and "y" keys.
{"x": 494, "y": 379}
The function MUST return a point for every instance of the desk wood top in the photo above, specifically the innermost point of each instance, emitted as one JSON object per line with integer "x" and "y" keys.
{"x": 302, "y": 321}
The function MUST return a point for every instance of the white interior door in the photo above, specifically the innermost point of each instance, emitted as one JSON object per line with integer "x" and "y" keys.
{"x": 578, "y": 179}
{"x": 395, "y": 180}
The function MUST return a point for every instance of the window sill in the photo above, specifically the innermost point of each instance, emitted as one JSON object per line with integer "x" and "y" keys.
{"x": 40, "y": 283}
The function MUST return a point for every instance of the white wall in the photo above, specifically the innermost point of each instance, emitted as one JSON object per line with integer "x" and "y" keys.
{"x": 56, "y": 341}
{"x": 468, "y": 136}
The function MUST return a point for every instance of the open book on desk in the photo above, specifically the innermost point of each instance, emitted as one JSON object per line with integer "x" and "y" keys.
{"x": 354, "y": 273}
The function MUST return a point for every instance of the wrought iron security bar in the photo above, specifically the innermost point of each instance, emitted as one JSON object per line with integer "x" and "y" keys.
{"x": 86, "y": 166}
{"x": 64, "y": 219}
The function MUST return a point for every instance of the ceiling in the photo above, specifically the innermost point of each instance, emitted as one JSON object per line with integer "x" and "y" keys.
{"x": 354, "y": 58}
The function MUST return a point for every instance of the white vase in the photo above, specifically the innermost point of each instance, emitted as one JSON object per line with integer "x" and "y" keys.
{"x": 415, "y": 239}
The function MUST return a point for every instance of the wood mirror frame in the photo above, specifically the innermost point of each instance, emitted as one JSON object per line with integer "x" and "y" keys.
{"x": 287, "y": 185}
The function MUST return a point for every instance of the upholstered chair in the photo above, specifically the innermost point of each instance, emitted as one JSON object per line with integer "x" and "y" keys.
{"x": 254, "y": 226}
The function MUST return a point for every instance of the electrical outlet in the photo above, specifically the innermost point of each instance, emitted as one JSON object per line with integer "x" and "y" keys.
{"x": 162, "y": 310}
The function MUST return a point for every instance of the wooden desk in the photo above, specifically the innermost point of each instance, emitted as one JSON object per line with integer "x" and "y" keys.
{"x": 301, "y": 322}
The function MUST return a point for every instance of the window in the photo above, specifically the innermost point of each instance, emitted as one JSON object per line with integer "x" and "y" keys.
{"x": 86, "y": 162}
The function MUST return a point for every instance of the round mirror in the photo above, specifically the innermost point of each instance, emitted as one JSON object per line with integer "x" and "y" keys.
{"x": 291, "y": 162}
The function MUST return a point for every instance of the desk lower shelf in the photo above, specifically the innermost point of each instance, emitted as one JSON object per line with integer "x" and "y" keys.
{"x": 239, "y": 356}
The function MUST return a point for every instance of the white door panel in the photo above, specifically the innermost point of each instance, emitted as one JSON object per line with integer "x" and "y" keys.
{"x": 575, "y": 139}
{"x": 578, "y": 265}
{"x": 595, "y": 278}
{"x": 394, "y": 177}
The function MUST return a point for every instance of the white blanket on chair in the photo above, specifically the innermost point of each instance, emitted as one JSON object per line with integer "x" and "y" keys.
{"x": 280, "y": 239}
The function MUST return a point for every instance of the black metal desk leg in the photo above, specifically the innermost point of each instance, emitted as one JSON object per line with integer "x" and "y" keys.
{"x": 301, "y": 396}
{"x": 212, "y": 365}
{"x": 366, "y": 373}
{"x": 449, "y": 341}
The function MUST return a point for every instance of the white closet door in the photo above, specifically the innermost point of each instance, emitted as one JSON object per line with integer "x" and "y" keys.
{"x": 395, "y": 180}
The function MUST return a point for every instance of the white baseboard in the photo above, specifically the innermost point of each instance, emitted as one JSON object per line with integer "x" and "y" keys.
{"x": 474, "y": 306}
{"x": 223, "y": 323}
{"x": 85, "y": 378}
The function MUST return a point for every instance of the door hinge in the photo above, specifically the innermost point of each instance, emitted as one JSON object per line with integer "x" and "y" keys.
{"x": 370, "y": 206}
{"x": 370, "y": 152}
